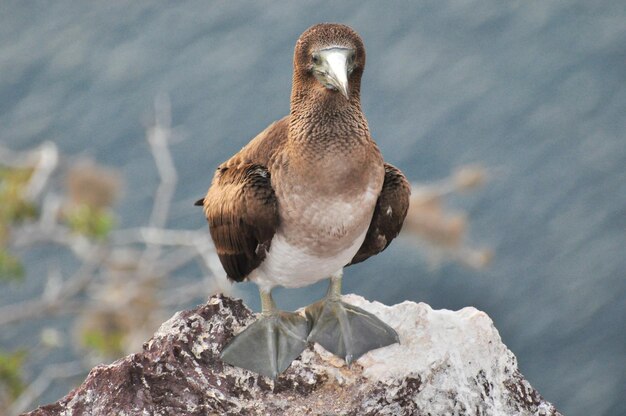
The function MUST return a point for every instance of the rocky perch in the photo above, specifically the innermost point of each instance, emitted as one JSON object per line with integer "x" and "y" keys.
{"x": 449, "y": 363}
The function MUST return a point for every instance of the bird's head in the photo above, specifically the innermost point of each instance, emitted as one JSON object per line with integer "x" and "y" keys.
{"x": 330, "y": 56}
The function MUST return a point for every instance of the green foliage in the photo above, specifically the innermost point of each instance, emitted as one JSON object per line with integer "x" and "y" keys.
{"x": 108, "y": 344}
{"x": 11, "y": 372}
{"x": 90, "y": 222}
{"x": 10, "y": 267}
{"x": 13, "y": 209}
{"x": 13, "y": 206}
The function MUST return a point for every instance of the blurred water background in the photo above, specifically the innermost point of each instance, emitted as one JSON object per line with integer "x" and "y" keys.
{"x": 535, "y": 91}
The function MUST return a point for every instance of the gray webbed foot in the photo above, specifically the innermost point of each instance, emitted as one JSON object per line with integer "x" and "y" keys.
{"x": 270, "y": 344}
{"x": 346, "y": 330}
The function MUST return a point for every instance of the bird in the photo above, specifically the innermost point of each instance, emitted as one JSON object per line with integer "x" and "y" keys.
{"x": 306, "y": 197}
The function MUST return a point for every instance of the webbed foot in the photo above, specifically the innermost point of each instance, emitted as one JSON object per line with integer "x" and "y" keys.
{"x": 346, "y": 330}
{"x": 268, "y": 345}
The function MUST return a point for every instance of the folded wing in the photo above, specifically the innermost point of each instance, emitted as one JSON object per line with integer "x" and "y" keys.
{"x": 389, "y": 214}
{"x": 242, "y": 212}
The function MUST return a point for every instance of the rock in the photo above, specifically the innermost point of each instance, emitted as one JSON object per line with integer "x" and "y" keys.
{"x": 449, "y": 363}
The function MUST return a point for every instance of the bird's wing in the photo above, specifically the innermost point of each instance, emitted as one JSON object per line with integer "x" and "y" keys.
{"x": 389, "y": 214}
{"x": 241, "y": 206}
{"x": 242, "y": 212}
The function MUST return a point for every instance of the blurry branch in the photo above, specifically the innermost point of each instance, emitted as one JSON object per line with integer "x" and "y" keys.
{"x": 190, "y": 244}
{"x": 122, "y": 289}
{"x": 158, "y": 137}
{"x": 47, "y": 163}
{"x": 440, "y": 233}
{"x": 57, "y": 296}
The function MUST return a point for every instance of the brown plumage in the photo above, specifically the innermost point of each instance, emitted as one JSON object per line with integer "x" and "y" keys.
{"x": 389, "y": 214}
{"x": 314, "y": 180}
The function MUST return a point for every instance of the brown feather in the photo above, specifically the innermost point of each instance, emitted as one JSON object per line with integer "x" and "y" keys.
{"x": 389, "y": 214}
{"x": 242, "y": 212}
{"x": 241, "y": 205}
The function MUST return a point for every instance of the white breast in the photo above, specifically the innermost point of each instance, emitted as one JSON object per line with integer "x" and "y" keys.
{"x": 291, "y": 266}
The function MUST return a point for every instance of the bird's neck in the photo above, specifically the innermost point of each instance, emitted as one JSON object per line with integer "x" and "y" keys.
{"x": 329, "y": 144}
{"x": 319, "y": 115}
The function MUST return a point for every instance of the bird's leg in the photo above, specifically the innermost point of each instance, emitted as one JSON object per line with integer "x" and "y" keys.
{"x": 271, "y": 343}
{"x": 346, "y": 330}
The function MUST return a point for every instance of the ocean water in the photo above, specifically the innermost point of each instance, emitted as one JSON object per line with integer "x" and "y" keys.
{"x": 534, "y": 91}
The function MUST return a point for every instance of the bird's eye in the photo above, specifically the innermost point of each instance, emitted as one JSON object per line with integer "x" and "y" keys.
{"x": 316, "y": 59}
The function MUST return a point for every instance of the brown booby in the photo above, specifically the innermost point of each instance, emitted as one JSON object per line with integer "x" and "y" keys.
{"x": 306, "y": 197}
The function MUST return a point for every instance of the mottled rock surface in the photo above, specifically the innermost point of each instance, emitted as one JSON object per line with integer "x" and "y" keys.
{"x": 449, "y": 363}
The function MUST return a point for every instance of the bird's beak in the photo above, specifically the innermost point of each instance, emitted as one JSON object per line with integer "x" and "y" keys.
{"x": 334, "y": 69}
{"x": 338, "y": 69}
